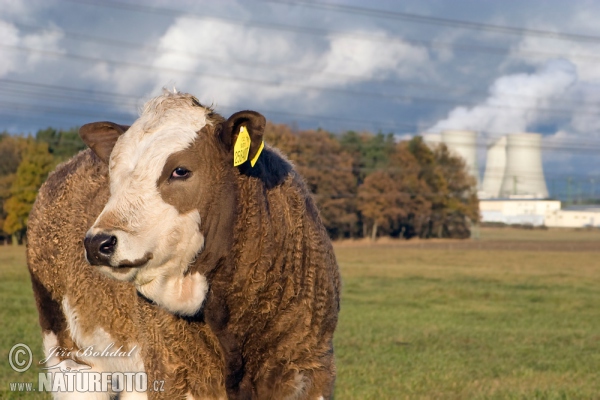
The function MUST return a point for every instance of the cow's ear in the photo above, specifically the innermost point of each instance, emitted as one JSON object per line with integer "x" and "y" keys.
{"x": 242, "y": 135}
{"x": 101, "y": 137}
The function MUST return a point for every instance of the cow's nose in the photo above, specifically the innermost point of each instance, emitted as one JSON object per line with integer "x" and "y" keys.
{"x": 99, "y": 248}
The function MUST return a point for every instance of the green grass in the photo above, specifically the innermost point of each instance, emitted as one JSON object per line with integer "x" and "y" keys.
{"x": 431, "y": 323}
{"x": 19, "y": 319}
{"x": 428, "y": 323}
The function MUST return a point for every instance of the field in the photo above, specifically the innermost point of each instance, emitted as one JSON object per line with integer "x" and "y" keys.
{"x": 513, "y": 315}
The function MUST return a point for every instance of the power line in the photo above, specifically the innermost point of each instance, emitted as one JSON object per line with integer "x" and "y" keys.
{"x": 35, "y": 109}
{"x": 305, "y": 30}
{"x": 411, "y": 99}
{"x": 294, "y": 70}
{"x": 345, "y": 92}
{"x": 58, "y": 110}
{"x": 87, "y": 92}
{"x": 170, "y": 12}
{"x": 387, "y": 14}
{"x": 55, "y": 91}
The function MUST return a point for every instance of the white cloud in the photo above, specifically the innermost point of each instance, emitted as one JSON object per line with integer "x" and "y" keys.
{"x": 515, "y": 101}
{"x": 14, "y": 59}
{"x": 219, "y": 50}
{"x": 10, "y": 36}
{"x": 537, "y": 51}
{"x": 363, "y": 60}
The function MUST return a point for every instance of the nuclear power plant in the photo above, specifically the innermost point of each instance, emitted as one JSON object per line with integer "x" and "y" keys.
{"x": 494, "y": 168}
{"x": 513, "y": 165}
{"x": 523, "y": 173}
{"x": 513, "y": 190}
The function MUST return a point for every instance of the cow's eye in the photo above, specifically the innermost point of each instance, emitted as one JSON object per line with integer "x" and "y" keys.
{"x": 180, "y": 173}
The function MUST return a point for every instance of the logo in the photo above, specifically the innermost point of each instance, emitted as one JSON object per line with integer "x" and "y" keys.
{"x": 69, "y": 366}
{"x": 20, "y": 357}
{"x": 71, "y": 376}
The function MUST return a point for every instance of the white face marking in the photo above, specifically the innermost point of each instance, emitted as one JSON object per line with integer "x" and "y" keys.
{"x": 143, "y": 223}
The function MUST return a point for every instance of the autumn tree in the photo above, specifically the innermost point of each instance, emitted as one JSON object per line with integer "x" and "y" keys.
{"x": 31, "y": 173}
{"x": 370, "y": 153}
{"x": 11, "y": 153}
{"x": 393, "y": 199}
{"x": 326, "y": 169}
{"x": 437, "y": 190}
{"x": 461, "y": 205}
{"x": 451, "y": 191}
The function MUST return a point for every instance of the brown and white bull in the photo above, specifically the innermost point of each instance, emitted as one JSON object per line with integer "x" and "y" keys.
{"x": 189, "y": 228}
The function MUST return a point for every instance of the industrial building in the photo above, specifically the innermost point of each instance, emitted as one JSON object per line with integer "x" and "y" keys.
{"x": 538, "y": 213}
{"x": 513, "y": 164}
{"x": 513, "y": 189}
{"x": 517, "y": 211}
{"x": 576, "y": 217}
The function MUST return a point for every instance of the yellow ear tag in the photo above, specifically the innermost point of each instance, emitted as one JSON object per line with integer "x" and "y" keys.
{"x": 242, "y": 147}
{"x": 260, "y": 149}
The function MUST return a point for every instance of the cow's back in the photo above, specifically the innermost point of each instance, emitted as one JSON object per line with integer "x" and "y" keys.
{"x": 282, "y": 296}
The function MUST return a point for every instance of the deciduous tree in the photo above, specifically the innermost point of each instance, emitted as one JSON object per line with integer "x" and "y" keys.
{"x": 11, "y": 153}
{"x": 37, "y": 162}
{"x": 327, "y": 170}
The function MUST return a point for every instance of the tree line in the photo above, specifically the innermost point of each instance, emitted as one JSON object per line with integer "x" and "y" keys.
{"x": 25, "y": 162}
{"x": 368, "y": 185}
{"x": 365, "y": 185}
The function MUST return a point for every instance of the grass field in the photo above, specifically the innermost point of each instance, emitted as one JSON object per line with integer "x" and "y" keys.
{"x": 433, "y": 322}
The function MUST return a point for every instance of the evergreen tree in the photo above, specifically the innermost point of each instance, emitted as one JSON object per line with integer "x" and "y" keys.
{"x": 369, "y": 152}
{"x": 62, "y": 144}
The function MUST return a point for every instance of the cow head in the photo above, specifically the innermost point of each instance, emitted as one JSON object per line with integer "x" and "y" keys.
{"x": 165, "y": 173}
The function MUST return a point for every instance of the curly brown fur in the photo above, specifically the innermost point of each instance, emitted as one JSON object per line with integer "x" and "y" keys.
{"x": 278, "y": 302}
{"x": 274, "y": 282}
{"x": 185, "y": 354}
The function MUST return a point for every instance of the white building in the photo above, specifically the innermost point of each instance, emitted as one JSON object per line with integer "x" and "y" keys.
{"x": 517, "y": 211}
{"x": 535, "y": 212}
{"x": 581, "y": 218}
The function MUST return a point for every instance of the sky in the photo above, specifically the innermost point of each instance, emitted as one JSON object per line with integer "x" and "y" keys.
{"x": 406, "y": 67}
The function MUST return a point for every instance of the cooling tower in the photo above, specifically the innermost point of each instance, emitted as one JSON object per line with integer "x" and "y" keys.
{"x": 494, "y": 169}
{"x": 463, "y": 144}
{"x": 523, "y": 174}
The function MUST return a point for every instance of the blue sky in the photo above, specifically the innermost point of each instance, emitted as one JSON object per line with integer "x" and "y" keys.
{"x": 65, "y": 63}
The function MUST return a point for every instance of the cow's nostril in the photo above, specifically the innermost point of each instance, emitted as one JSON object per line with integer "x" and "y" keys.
{"x": 107, "y": 247}
{"x": 99, "y": 248}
